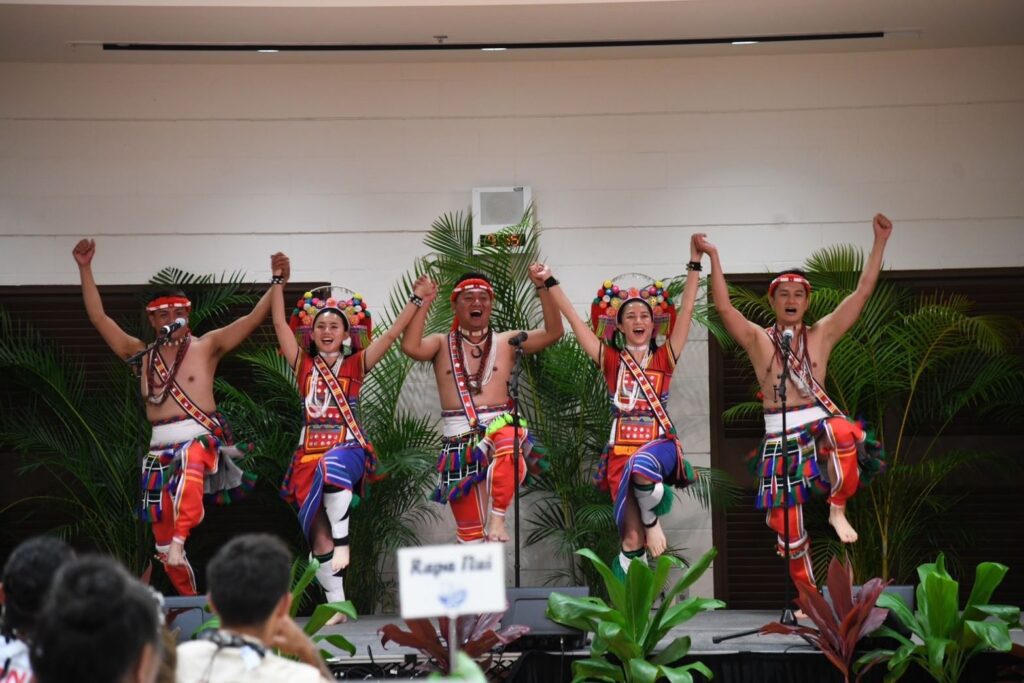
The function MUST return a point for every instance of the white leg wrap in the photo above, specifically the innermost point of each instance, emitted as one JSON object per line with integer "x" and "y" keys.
{"x": 333, "y": 584}
{"x": 647, "y": 500}
{"x": 338, "y": 504}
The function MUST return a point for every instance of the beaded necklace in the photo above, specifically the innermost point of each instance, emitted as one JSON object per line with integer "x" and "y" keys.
{"x": 484, "y": 350}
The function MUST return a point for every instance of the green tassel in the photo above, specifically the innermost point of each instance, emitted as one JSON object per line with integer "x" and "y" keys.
{"x": 665, "y": 504}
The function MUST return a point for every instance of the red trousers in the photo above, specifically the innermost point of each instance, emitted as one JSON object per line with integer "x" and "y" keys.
{"x": 183, "y": 511}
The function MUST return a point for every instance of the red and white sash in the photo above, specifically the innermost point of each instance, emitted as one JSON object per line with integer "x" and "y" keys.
{"x": 804, "y": 373}
{"x": 182, "y": 399}
{"x": 640, "y": 377}
{"x": 462, "y": 383}
{"x": 331, "y": 380}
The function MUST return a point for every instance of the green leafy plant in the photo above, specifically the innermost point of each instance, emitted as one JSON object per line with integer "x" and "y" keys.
{"x": 476, "y": 634}
{"x": 909, "y": 366}
{"x": 948, "y": 637}
{"x": 626, "y": 632}
{"x": 851, "y": 616}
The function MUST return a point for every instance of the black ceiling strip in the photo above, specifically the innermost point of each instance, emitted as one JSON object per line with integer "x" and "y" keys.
{"x": 426, "y": 47}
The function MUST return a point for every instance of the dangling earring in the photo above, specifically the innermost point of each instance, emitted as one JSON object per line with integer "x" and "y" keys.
{"x": 619, "y": 340}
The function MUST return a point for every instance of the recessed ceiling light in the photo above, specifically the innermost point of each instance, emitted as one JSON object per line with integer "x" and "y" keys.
{"x": 493, "y": 49}
{"x": 267, "y": 51}
{"x": 744, "y": 42}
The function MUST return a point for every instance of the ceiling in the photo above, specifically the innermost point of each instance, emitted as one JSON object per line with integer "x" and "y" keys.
{"x": 74, "y": 31}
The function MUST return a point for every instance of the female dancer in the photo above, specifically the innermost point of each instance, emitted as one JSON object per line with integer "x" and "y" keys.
{"x": 643, "y": 453}
{"x": 334, "y": 460}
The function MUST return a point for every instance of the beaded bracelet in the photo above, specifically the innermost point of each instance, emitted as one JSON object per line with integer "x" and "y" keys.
{"x": 416, "y": 301}
{"x": 694, "y": 266}
{"x": 277, "y": 280}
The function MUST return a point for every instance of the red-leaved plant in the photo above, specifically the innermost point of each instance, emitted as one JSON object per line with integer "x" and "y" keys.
{"x": 476, "y": 633}
{"x": 841, "y": 625}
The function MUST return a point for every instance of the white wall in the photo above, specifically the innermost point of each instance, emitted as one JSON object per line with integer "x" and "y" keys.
{"x": 344, "y": 166}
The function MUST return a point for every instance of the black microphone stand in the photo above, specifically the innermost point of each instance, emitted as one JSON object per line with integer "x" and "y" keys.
{"x": 134, "y": 363}
{"x": 787, "y": 617}
{"x": 513, "y": 395}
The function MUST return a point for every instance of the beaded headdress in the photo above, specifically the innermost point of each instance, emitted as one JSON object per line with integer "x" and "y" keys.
{"x": 614, "y": 294}
{"x": 346, "y": 303}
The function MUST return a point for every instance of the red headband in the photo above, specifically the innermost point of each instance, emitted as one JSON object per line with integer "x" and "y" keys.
{"x": 470, "y": 284}
{"x": 789, "y": 277}
{"x": 162, "y": 302}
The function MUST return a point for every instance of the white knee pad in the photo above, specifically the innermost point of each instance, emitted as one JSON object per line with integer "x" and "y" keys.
{"x": 333, "y": 584}
{"x": 647, "y": 500}
{"x": 338, "y": 505}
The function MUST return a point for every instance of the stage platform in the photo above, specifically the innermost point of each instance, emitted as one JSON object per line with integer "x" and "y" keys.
{"x": 749, "y": 659}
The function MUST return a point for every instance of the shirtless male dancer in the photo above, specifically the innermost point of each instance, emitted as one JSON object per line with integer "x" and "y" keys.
{"x": 472, "y": 365}
{"x": 816, "y": 428}
{"x": 186, "y": 455}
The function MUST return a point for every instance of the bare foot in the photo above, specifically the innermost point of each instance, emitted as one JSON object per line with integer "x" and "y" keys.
{"x": 496, "y": 530}
{"x": 337, "y": 618}
{"x": 837, "y": 518}
{"x": 799, "y": 614}
{"x": 656, "y": 542}
{"x": 340, "y": 559}
{"x": 176, "y": 554}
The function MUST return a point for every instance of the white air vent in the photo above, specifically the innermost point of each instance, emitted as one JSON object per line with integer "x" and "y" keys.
{"x": 494, "y": 210}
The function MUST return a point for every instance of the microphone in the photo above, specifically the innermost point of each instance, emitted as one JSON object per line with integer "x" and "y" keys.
{"x": 787, "y": 339}
{"x": 170, "y": 328}
{"x": 518, "y": 339}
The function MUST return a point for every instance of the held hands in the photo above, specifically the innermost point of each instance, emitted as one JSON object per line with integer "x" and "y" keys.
{"x": 695, "y": 249}
{"x": 882, "y": 227}
{"x": 83, "y": 252}
{"x": 425, "y": 288}
{"x": 539, "y": 272}
{"x": 700, "y": 240}
{"x": 280, "y": 265}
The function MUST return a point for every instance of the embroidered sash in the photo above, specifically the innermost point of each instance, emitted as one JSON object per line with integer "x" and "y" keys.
{"x": 462, "y": 384}
{"x": 339, "y": 397}
{"x": 182, "y": 399}
{"x": 808, "y": 377}
{"x": 640, "y": 377}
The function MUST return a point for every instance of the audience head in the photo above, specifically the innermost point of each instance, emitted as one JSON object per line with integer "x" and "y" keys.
{"x": 26, "y": 578}
{"x": 248, "y": 580}
{"x": 97, "y": 624}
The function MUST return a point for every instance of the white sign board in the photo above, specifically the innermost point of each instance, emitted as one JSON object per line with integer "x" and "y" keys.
{"x": 446, "y": 580}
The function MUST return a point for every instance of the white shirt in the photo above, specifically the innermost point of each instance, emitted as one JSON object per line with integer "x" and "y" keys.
{"x": 14, "y": 660}
{"x": 238, "y": 665}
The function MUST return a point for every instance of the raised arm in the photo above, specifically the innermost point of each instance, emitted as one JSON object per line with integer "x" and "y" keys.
{"x": 414, "y": 344}
{"x": 739, "y": 328}
{"x": 540, "y": 339}
{"x": 681, "y": 332}
{"x": 585, "y": 336}
{"x": 230, "y": 336}
{"x": 285, "y": 336}
{"x": 835, "y": 324}
{"x": 119, "y": 341}
{"x": 424, "y": 291}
